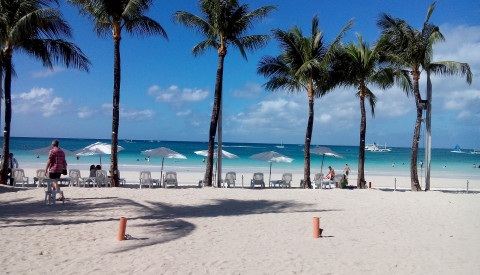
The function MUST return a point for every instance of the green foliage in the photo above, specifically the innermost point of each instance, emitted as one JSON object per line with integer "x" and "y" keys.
{"x": 225, "y": 23}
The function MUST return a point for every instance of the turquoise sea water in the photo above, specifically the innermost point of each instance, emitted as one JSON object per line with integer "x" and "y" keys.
{"x": 444, "y": 162}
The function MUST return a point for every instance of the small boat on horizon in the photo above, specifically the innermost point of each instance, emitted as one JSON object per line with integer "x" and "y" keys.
{"x": 457, "y": 149}
{"x": 375, "y": 148}
{"x": 281, "y": 146}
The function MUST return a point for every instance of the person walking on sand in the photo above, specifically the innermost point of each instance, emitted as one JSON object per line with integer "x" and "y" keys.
{"x": 346, "y": 170}
{"x": 55, "y": 165}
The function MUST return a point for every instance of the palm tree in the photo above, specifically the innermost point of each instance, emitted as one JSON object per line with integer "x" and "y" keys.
{"x": 33, "y": 27}
{"x": 359, "y": 65}
{"x": 413, "y": 49}
{"x": 303, "y": 65}
{"x": 111, "y": 17}
{"x": 224, "y": 24}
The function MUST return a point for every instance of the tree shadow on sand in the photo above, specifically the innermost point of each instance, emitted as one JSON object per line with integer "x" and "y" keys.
{"x": 163, "y": 222}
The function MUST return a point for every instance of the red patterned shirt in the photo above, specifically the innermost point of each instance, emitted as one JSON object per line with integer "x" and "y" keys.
{"x": 57, "y": 160}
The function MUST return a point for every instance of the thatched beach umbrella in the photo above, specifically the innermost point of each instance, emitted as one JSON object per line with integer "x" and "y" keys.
{"x": 271, "y": 156}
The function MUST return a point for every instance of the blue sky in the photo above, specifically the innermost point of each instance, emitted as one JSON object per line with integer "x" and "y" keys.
{"x": 167, "y": 93}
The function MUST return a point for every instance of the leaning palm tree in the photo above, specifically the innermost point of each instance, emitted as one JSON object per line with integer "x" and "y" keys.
{"x": 224, "y": 24}
{"x": 359, "y": 65}
{"x": 413, "y": 49}
{"x": 32, "y": 27}
{"x": 304, "y": 65}
{"x": 111, "y": 17}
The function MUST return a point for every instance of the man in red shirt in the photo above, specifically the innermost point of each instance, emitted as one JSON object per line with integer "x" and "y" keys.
{"x": 55, "y": 165}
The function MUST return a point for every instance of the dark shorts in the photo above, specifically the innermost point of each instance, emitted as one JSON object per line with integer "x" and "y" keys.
{"x": 54, "y": 175}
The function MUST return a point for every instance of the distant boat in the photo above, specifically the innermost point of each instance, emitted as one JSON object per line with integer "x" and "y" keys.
{"x": 457, "y": 149}
{"x": 375, "y": 148}
{"x": 475, "y": 152}
{"x": 281, "y": 145}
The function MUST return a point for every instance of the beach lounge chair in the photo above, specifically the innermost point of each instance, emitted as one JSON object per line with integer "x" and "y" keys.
{"x": 39, "y": 178}
{"x": 50, "y": 194}
{"x": 19, "y": 176}
{"x": 257, "y": 180}
{"x": 230, "y": 178}
{"x": 284, "y": 182}
{"x": 146, "y": 179}
{"x": 170, "y": 179}
{"x": 75, "y": 177}
{"x": 101, "y": 178}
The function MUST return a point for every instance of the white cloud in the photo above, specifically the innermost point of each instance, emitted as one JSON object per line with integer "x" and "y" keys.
{"x": 184, "y": 113}
{"x": 39, "y": 100}
{"x": 249, "y": 90}
{"x": 86, "y": 112}
{"x": 132, "y": 114}
{"x": 47, "y": 72}
{"x": 173, "y": 95}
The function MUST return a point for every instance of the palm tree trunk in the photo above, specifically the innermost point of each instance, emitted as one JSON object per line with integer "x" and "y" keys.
{"x": 116, "y": 113}
{"x": 415, "y": 186}
{"x": 361, "y": 154}
{"x": 8, "y": 115}
{"x": 214, "y": 120}
{"x": 308, "y": 139}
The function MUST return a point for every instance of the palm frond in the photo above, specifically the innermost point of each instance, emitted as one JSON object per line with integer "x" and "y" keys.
{"x": 449, "y": 68}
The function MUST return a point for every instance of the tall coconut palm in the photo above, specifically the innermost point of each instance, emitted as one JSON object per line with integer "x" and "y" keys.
{"x": 359, "y": 65}
{"x": 413, "y": 49}
{"x": 303, "y": 65}
{"x": 35, "y": 28}
{"x": 111, "y": 17}
{"x": 224, "y": 24}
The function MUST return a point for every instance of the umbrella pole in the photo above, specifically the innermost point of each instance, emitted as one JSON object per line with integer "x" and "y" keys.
{"x": 321, "y": 168}
{"x": 161, "y": 172}
{"x": 269, "y": 176}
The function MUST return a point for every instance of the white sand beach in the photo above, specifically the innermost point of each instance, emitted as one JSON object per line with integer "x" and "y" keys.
{"x": 242, "y": 231}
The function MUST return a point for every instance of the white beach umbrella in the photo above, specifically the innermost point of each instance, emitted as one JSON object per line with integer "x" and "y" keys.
{"x": 225, "y": 154}
{"x": 325, "y": 151}
{"x": 271, "y": 156}
{"x": 163, "y": 152}
{"x": 97, "y": 148}
{"x": 46, "y": 151}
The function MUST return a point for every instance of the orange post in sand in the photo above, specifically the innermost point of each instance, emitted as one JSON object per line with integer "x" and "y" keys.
{"x": 121, "y": 231}
{"x": 316, "y": 227}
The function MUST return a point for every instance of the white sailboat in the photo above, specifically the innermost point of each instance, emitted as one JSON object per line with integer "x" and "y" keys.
{"x": 281, "y": 145}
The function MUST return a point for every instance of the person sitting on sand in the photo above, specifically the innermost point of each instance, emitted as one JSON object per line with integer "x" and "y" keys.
{"x": 331, "y": 173}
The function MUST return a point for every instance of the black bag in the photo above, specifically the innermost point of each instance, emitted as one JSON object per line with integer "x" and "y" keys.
{"x": 64, "y": 171}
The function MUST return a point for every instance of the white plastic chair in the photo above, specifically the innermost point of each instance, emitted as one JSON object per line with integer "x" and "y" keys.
{"x": 75, "y": 177}
{"x": 317, "y": 182}
{"x": 19, "y": 176}
{"x": 101, "y": 178}
{"x": 257, "y": 180}
{"x": 146, "y": 179}
{"x": 230, "y": 178}
{"x": 50, "y": 194}
{"x": 39, "y": 178}
{"x": 170, "y": 179}
{"x": 286, "y": 180}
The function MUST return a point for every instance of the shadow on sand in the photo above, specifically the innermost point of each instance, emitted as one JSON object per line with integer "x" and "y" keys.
{"x": 164, "y": 222}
